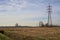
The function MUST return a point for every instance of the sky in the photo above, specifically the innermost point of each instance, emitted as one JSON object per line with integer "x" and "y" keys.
{"x": 28, "y": 12}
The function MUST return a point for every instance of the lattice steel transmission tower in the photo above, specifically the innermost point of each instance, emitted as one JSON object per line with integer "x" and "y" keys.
{"x": 49, "y": 15}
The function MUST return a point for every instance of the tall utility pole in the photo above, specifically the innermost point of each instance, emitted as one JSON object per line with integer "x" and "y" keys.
{"x": 49, "y": 15}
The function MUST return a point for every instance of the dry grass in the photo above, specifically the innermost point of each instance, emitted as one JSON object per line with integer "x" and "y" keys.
{"x": 52, "y": 33}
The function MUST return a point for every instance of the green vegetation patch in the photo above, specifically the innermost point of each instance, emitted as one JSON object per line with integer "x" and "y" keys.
{"x": 3, "y": 37}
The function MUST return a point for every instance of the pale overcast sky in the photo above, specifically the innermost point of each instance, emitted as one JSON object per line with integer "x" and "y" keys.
{"x": 28, "y": 12}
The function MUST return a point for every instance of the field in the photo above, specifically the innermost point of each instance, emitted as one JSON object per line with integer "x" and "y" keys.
{"x": 42, "y": 33}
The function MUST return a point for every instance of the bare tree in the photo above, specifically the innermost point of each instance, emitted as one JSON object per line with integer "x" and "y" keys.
{"x": 16, "y": 24}
{"x": 41, "y": 24}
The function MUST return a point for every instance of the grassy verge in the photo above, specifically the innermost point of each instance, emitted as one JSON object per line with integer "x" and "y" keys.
{"x": 3, "y": 37}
